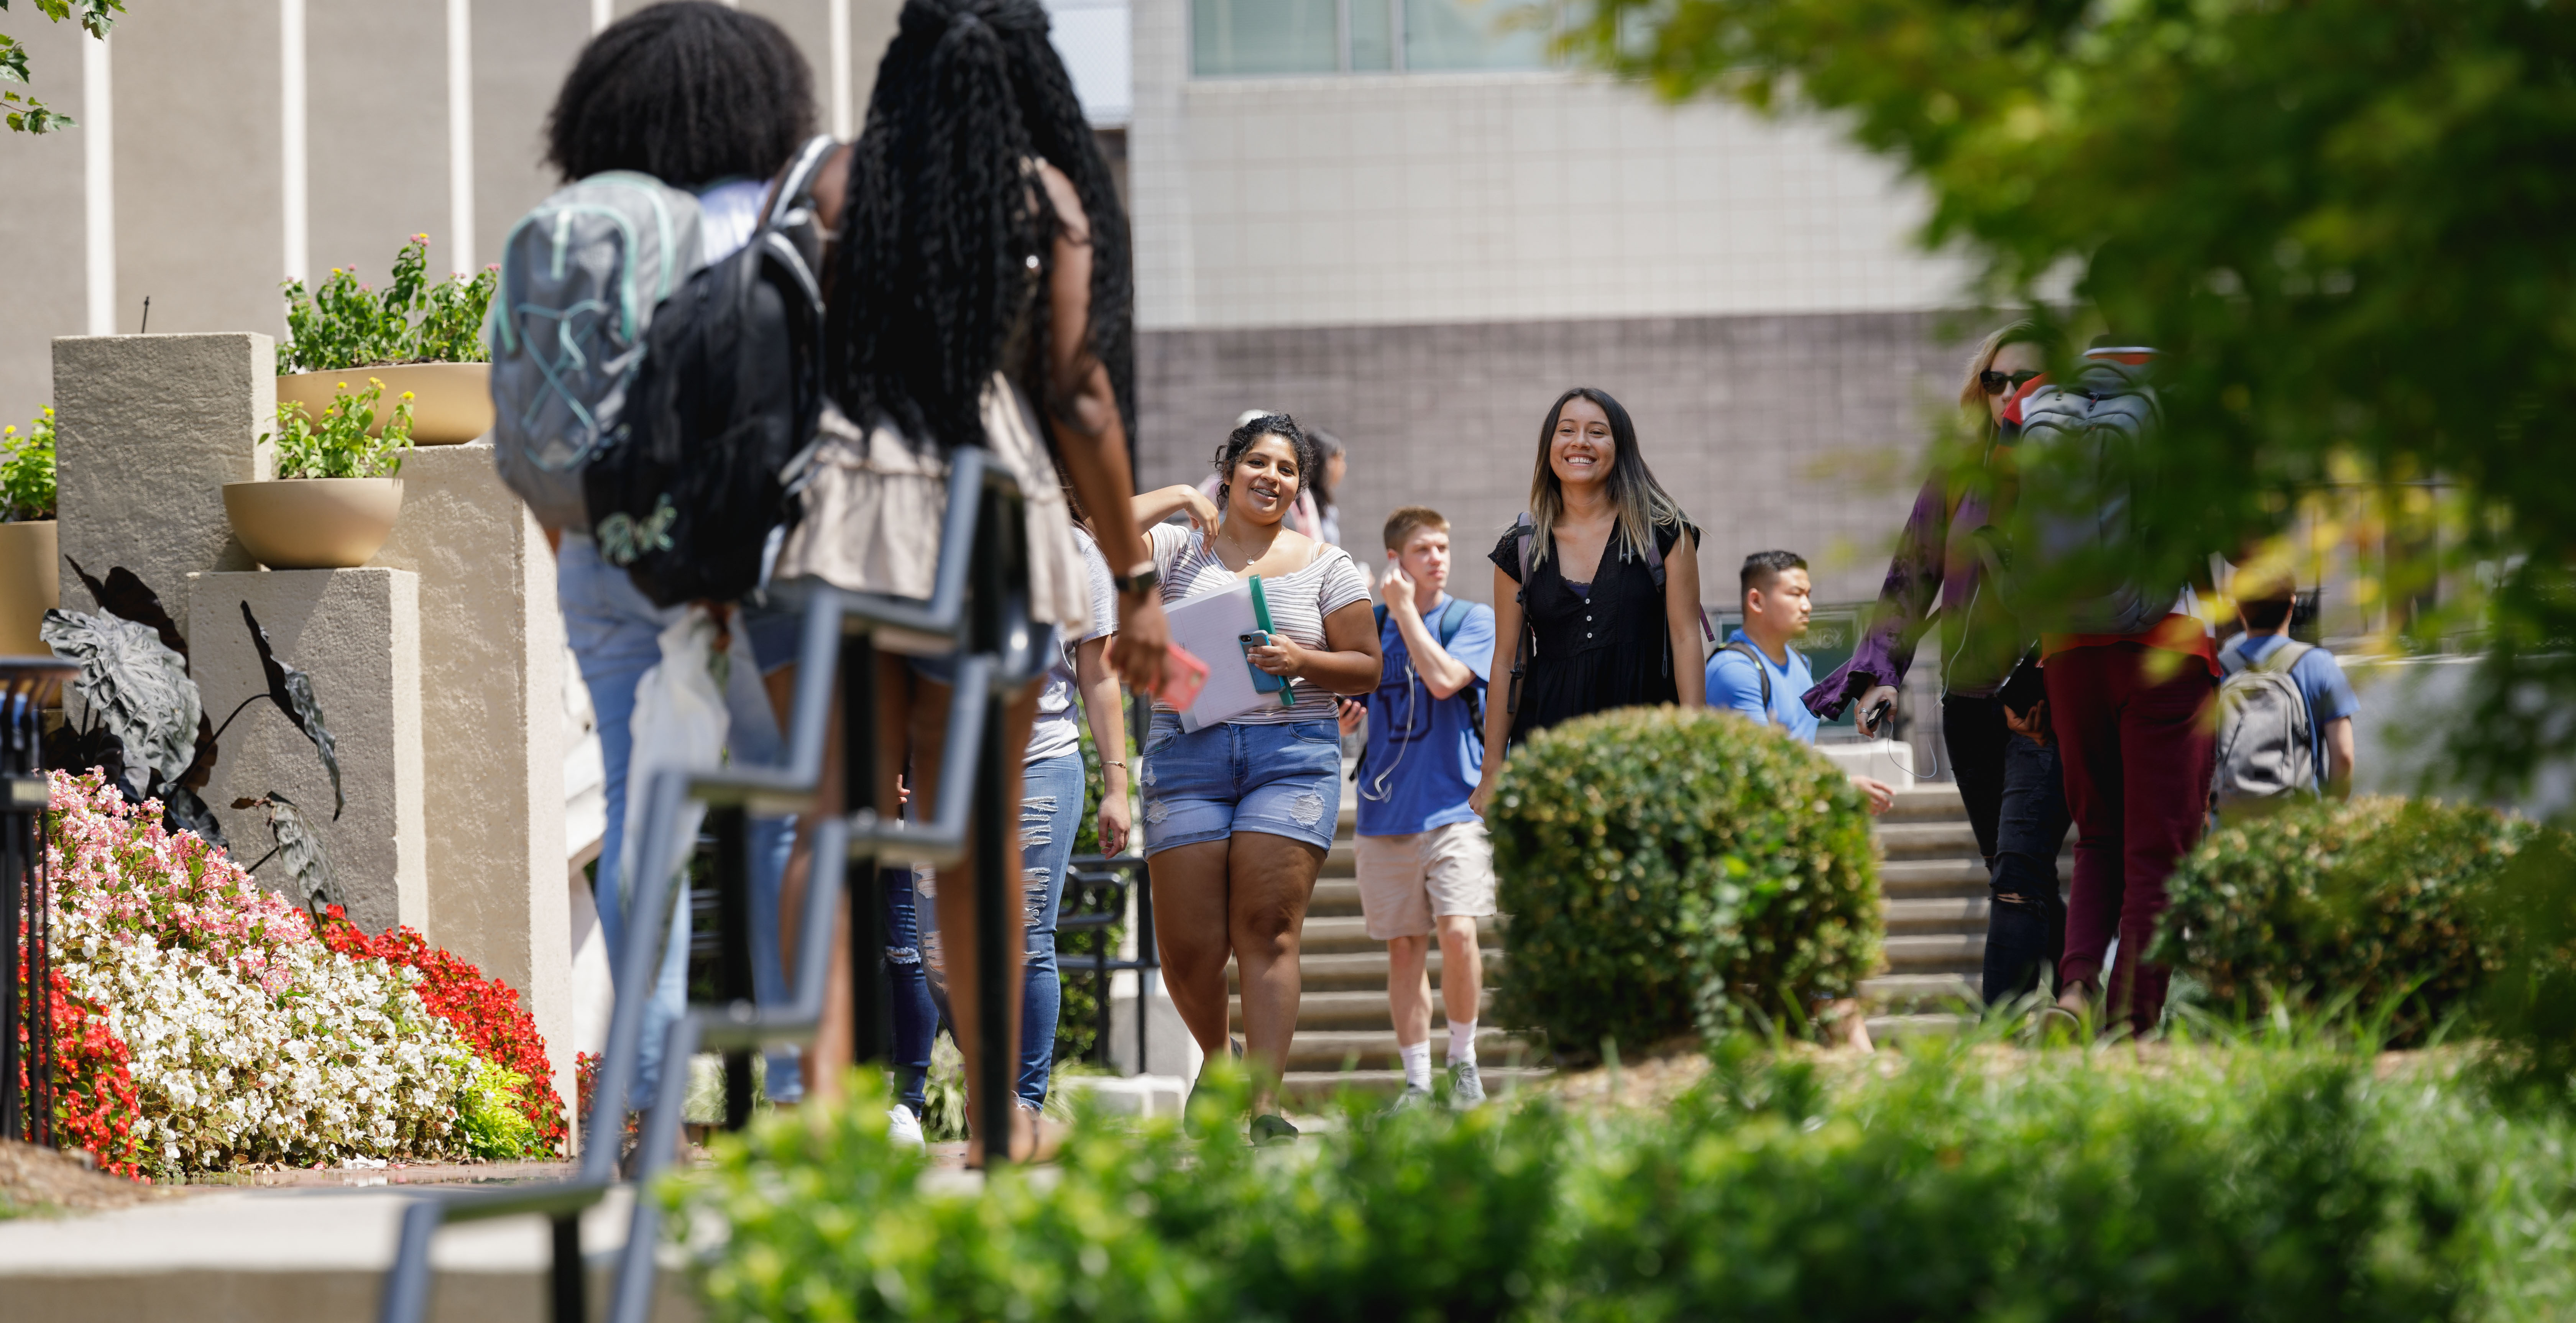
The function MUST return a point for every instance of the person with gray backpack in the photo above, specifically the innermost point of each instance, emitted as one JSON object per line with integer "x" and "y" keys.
{"x": 666, "y": 133}
{"x": 2284, "y": 710}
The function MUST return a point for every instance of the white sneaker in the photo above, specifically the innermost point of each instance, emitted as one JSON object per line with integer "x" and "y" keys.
{"x": 903, "y": 1127}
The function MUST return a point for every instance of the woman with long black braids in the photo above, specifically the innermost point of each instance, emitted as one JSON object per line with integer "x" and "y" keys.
{"x": 977, "y": 283}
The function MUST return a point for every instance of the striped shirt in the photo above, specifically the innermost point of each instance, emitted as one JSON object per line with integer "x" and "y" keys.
{"x": 1298, "y": 604}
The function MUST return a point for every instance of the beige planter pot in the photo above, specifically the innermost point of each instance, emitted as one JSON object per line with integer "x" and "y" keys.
{"x": 31, "y": 584}
{"x": 313, "y": 523}
{"x": 451, "y": 402}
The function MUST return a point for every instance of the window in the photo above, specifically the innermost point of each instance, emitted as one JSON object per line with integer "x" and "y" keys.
{"x": 1240, "y": 38}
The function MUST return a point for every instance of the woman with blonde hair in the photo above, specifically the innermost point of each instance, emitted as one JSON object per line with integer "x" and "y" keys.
{"x": 1993, "y": 725}
{"x": 1596, "y": 592}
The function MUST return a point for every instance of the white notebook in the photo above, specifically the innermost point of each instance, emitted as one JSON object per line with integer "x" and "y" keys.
{"x": 1211, "y": 626}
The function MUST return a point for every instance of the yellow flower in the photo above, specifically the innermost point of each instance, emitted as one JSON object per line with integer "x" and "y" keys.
{"x": 406, "y": 395}
{"x": 8, "y": 431}
{"x": 340, "y": 386}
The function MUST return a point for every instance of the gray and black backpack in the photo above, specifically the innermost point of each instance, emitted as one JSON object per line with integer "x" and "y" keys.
{"x": 580, "y": 277}
{"x": 2266, "y": 736}
{"x": 2077, "y": 572}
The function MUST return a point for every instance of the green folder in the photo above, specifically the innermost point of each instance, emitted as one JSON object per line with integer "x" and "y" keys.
{"x": 1261, "y": 617}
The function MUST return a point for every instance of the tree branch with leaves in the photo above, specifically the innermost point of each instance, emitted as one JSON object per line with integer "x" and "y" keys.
{"x": 25, "y": 113}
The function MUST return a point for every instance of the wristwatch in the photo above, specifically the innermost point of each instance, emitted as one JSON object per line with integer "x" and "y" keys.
{"x": 1138, "y": 580}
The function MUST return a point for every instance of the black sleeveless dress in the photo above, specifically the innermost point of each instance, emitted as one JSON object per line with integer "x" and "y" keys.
{"x": 1594, "y": 651}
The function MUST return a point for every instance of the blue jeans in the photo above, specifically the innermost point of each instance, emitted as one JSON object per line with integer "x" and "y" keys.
{"x": 1284, "y": 779}
{"x": 1051, "y": 803}
{"x": 615, "y": 635}
{"x": 915, "y": 1015}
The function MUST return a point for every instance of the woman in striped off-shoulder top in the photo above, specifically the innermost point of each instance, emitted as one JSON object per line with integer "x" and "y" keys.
{"x": 1237, "y": 816}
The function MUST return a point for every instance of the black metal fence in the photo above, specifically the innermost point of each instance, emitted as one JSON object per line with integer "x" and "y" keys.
{"x": 26, "y": 901}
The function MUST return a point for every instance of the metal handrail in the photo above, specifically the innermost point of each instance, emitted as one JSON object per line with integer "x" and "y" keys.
{"x": 999, "y": 625}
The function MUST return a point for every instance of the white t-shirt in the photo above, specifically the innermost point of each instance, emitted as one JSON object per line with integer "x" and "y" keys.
{"x": 1298, "y": 604}
{"x": 1059, "y": 727}
{"x": 728, "y": 215}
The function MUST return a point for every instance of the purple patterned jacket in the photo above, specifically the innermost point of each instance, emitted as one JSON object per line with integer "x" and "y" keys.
{"x": 1935, "y": 573}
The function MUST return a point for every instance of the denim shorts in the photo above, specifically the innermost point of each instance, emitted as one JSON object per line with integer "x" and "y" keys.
{"x": 1283, "y": 779}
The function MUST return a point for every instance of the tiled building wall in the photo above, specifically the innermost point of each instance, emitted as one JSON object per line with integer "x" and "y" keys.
{"x": 1800, "y": 431}
{"x": 1501, "y": 197}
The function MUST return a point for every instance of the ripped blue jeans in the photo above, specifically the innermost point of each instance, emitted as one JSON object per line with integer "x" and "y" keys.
{"x": 1051, "y": 804}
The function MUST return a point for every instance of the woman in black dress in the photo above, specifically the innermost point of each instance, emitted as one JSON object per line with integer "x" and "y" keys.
{"x": 1600, "y": 633}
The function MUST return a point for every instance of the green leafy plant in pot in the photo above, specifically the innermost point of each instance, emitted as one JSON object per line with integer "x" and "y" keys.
{"x": 336, "y": 494}
{"x": 424, "y": 340}
{"x": 29, "y": 585}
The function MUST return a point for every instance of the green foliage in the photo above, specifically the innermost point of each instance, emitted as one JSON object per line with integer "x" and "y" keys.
{"x": 1422, "y": 1216}
{"x": 2234, "y": 1182}
{"x": 1669, "y": 871}
{"x": 343, "y": 324}
{"x": 2339, "y": 217}
{"x": 337, "y": 445}
{"x": 26, "y": 114}
{"x": 27, "y": 470}
{"x": 2382, "y": 905}
{"x": 495, "y": 1122}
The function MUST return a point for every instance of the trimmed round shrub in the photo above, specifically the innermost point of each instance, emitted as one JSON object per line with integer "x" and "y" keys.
{"x": 1670, "y": 871}
{"x": 2380, "y": 905}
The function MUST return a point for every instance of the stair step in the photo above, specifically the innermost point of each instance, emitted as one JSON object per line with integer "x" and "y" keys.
{"x": 1931, "y": 801}
{"x": 1931, "y": 991}
{"x": 1334, "y": 898}
{"x": 1313, "y": 1088}
{"x": 1355, "y": 1010}
{"x": 1938, "y": 914}
{"x": 1339, "y": 934}
{"x": 1928, "y": 840}
{"x": 1362, "y": 971}
{"x": 1936, "y": 952}
{"x": 1920, "y": 878}
{"x": 1375, "y": 1049}
{"x": 1884, "y": 1029}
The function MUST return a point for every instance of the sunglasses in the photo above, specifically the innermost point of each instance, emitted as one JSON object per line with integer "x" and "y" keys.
{"x": 1996, "y": 383}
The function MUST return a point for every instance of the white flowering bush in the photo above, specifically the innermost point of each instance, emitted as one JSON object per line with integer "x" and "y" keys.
{"x": 251, "y": 1040}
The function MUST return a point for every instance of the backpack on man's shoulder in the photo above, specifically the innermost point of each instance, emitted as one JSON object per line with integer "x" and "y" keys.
{"x": 690, "y": 496}
{"x": 581, "y": 274}
{"x": 1445, "y": 627}
{"x": 2266, "y": 735}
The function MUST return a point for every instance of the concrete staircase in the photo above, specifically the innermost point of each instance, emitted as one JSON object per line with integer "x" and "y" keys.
{"x": 1345, "y": 1039}
{"x": 1935, "y": 884}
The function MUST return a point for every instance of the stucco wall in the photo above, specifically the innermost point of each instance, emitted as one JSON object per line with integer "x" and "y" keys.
{"x": 1493, "y": 197}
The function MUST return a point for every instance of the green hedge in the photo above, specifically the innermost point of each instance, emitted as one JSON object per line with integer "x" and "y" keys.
{"x": 1669, "y": 871}
{"x": 2213, "y": 1184}
{"x": 2385, "y": 905}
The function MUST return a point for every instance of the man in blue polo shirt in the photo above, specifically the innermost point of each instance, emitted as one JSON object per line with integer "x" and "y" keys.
{"x": 1758, "y": 674}
{"x": 1424, "y": 862}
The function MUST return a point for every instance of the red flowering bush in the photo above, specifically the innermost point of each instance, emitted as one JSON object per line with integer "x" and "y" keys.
{"x": 94, "y": 1101}
{"x": 485, "y": 1012}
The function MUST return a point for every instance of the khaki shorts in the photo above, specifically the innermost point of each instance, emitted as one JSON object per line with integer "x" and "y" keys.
{"x": 1405, "y": 881}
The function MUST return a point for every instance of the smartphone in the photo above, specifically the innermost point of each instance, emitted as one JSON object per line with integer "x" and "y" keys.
{"x": 1263, "y": 682}
{"x": 1875, "y": 720}
{"x": 2024, "y": 688}
{"x": 1183, "y": 677}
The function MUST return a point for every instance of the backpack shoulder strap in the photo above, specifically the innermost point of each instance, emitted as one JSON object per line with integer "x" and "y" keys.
{"x": 1526, "y": 533}
{"x": 2284, "y": 657}
{"x": 1453, "y": 618}
{"x": 796, "y": 182}
{"x": 1761, "y": 672}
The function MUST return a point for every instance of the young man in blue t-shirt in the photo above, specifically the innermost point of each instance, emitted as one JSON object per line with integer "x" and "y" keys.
{"x": 1425, "y": 865}
{"x": 1778, "y": 600}
{"x": 2331, "y": 702}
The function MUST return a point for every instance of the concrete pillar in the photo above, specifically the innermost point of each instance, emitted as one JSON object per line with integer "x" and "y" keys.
{"x": 492, "y": 730}
{"x": 357, "y": 634}
{"x": 149, "y": 428}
